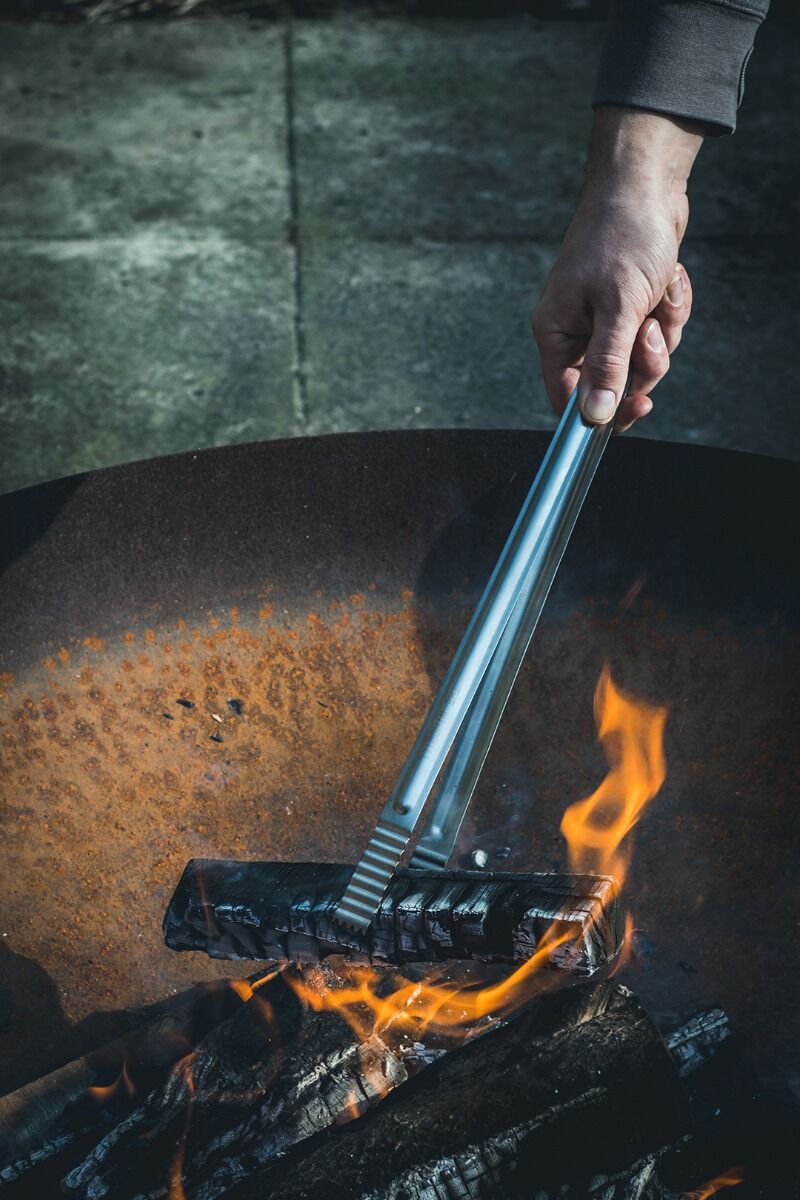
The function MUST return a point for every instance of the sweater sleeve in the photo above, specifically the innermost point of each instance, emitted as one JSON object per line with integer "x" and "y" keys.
{"x": 682, "y": 57}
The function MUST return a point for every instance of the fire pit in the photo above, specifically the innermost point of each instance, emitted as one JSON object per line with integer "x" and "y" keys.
{"x": 226, "y": 655}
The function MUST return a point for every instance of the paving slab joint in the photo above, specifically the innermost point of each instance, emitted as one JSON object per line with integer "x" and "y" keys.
{"x": 299, "y": 380}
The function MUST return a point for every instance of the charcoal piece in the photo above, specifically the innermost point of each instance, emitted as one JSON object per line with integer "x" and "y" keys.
{"x": 481, "y": 1172}
{"x": 280, "y": 911}
{"x": 561, "y": 1092}
{"x": 698, "y": 1040}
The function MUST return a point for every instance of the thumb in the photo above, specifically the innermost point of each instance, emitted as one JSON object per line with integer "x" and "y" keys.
{"x": 606, "y": 366}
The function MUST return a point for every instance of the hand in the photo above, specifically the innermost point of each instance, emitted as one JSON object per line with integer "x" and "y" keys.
{"x": 617, "y": 298}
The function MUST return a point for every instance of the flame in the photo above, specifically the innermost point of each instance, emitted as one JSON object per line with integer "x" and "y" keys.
{"x": 626, "y": 952}
{"x": 246, "y": 990}
{"x": 175, "y": 1189}
{"x": 632, "y": 735}
{"x": 435, "y": 1005}
{"x": 123, "y": 1083}
{"x": 727, "y": 1179}
{"x": 353, "y": 1106}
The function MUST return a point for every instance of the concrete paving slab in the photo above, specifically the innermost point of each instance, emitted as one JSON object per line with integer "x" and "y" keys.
{"x": 118, "y": 350}
{"x": 455, "y": 129}
{"x": 440, "y": 128}
{"x": 174, "y": 127}
{"x": 437, "y": 335}
{"x": 422, "y": 336}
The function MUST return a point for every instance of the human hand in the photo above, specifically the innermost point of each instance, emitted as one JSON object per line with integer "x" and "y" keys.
{"x": 617, "y": 298}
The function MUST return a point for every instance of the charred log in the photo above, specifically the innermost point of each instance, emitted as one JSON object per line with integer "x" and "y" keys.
{"x": 273, "y": 1075}
{"x": 280, "y": 911}
{"x": 561, "y": 1097}
{"x": 43, "y": 1119}
{"x": 563, "y": 1090}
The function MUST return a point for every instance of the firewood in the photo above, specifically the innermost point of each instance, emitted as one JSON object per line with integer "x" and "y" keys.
{"x": 280, "y": 911}
{"x": 43, "y": 1119}
{"x": 563, "y": 1089}
{"x": 579, "y": 1086}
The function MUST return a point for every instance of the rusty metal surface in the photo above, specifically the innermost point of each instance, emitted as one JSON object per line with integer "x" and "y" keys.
{"x": 321, "y": 586}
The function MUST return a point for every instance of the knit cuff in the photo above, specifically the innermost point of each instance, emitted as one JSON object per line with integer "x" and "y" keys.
{"x": 686, "y": 58}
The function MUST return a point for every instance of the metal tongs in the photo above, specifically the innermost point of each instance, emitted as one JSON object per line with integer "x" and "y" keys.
{"x": 467, "y": 708}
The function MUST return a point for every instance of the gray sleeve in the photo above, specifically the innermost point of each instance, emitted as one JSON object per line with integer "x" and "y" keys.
{"x": 682, "y": 57}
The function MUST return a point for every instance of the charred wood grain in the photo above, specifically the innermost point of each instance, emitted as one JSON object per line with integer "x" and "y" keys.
{"x": 699, "y": 1039}
{"x": 44, "y": 1118}
{"x": 280, "y": 911}
{"x": 269, "y": 1103}
{"x": 578, "y": 1089}
{"x": 270, "y": 1077}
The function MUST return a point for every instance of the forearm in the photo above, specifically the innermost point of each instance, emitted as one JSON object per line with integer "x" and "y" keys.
{"x": 633, "y": 151}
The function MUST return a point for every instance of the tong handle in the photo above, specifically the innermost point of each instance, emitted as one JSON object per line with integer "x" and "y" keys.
{"x": 558, "y": 481}
{"x": 475, "y": 737}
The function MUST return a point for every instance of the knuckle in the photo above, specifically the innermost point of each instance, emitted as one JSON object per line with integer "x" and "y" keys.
{"x": 606, "y": 361}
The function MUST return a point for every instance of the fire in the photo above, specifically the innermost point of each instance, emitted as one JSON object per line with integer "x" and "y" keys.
{"x": 246, "y": 990}
{"x": 435, "y": 1005}
{"x": 175, "y": 1188}
{"x": 728, "y": 1179}
{"x": 626, "y": 952}
{"x": 632, "y": 735}
{"x": 123, "y": 1084}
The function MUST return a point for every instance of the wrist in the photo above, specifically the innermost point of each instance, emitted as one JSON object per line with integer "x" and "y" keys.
{"x": 635, "y": 152}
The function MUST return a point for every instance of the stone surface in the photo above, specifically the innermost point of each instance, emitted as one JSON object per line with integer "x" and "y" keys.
{"x": 116, "y": 350}
{"x": 457, "y": 130}
{"x": 149, "y": 287}
{"x": 446, "y": 129}
{"x": 177, "y": 128}
{"x": 423, "y": 335}
{"x": 437, "y": 334}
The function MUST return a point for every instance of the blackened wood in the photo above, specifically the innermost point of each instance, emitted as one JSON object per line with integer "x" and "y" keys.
{"x": 698, "y": 1040}
{"x": 43, "y": 1118}
{"x": 273, "y": 1075}
{"x": 266, "y": 910}
{"x": 579, "y": 1086}
{"x": 265, "y": 1095}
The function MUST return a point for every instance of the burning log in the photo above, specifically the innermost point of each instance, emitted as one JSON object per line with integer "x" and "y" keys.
{"x": 560, "y": 1093}
{"x": 280, "y": 911}
{"x": 576, "y": 1090}
{"x": 44, "y": 1119}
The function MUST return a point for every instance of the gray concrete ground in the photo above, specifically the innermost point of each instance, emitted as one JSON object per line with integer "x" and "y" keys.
{"x": 220, "y": 230}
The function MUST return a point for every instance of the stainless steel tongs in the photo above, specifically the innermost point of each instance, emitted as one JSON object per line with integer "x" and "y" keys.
{"x": 467, "y": 708}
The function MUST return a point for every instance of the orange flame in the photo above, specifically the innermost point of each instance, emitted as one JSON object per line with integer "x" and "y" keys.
{"x": 626, "y": 952}
{"x": 632, "y": 736}
{"x": 175, "y": 1188}
{"x": 435, "y": 1004}
{"x": 729, "y": 1178}
{"x": 631, "y": 733}
{"x": 109, "y": 1092}
{"x": 245, "y": 990}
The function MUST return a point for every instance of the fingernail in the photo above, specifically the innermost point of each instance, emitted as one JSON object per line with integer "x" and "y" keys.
{"x": 675, "y": 290}
{"x": 654, "y": 337}
{"x": 599, "y": 405}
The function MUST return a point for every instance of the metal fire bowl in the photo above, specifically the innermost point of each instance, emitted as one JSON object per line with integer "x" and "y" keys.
{"x": 323, "y": 584}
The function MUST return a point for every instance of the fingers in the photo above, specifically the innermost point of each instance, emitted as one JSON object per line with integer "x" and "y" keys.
{"x": 673, "y": 310}
{"x": 658, "y": 336}
{"x": 632, "y": 408}
{"x": 561, "y": 355}
{"x": 606, "y": 365}
{"x": 649, "y": 358}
